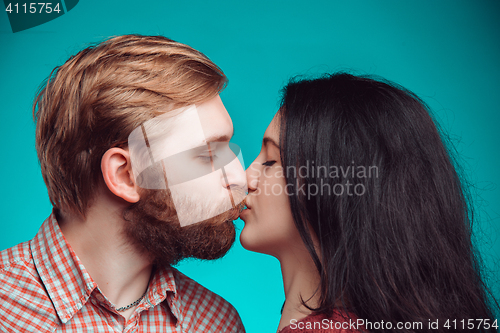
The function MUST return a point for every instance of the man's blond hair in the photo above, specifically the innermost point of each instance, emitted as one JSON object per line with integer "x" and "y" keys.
{"x": 95, "y": 100}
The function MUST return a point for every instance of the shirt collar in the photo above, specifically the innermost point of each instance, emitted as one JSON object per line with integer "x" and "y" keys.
{"x": 68, "y": 283}
{"x": 162, "y": 289}
{"x": 163, "y": 281}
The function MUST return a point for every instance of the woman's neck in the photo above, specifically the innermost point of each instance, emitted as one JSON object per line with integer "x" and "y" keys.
{"x": 301, "y": 281}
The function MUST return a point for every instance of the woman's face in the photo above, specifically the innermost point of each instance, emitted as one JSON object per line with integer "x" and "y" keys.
{"x": 269, "y": 226}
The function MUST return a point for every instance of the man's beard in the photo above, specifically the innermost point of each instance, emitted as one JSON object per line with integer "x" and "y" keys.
{"x": 153, "y": 227}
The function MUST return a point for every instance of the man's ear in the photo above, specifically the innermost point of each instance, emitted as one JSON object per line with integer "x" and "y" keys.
{"x": 117, "y": 173}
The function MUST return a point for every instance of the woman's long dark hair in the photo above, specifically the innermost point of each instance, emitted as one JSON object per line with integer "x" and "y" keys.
{"x": 395, "y": 234}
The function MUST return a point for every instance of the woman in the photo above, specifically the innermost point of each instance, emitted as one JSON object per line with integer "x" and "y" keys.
{"x": 356, "y": 195}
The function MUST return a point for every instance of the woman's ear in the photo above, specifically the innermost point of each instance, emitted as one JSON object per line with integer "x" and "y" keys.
{"x": 117, "y": 173}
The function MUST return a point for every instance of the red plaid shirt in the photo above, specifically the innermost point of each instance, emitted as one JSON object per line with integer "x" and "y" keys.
{"x": 45, "y": 288}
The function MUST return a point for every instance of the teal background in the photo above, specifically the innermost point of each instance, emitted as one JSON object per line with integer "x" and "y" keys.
{"x": 447, "y": 52}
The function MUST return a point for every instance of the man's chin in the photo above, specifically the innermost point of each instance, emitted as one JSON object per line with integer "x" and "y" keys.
{"x": 153, "y": 227}
{"x": 208, "y": 240}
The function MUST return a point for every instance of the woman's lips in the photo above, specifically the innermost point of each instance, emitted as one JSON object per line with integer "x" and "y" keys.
{"x": 247, "y": 203}
{"x": 248, "y": 207}
{"x": 243, "y": 213}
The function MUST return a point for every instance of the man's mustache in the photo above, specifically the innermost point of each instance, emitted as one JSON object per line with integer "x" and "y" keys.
{"x": 238, "y": 200}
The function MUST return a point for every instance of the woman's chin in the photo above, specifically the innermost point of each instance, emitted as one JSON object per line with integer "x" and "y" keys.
{"x": 245, "y": 239}
{"x": 252, "y": 242}
{"x": 249, "y": 241}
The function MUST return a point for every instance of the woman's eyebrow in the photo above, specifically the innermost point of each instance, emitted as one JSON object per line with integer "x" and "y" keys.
{"x": 267, "y": 140}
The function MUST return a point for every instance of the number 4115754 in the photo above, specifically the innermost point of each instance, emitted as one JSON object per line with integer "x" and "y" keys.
{"x": 33, "y": 8}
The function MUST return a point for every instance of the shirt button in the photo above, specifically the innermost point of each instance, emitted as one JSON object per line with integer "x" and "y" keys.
{"x": 100, "y": 298}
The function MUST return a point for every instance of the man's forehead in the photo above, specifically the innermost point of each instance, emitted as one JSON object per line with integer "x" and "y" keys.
{"x": 215, "y": 120}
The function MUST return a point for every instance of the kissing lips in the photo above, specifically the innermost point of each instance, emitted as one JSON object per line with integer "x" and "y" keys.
{"x": 245, "y": 211}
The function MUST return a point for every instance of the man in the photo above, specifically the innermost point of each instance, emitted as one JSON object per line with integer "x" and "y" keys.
{"x": 132, "y": 139}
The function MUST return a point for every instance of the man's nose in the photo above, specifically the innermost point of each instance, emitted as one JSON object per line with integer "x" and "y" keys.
{"x": 252, "y": 175}
{"x": 234, "y": 175}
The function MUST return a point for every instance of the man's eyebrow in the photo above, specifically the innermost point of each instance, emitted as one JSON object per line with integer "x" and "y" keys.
{"x": 267, "y": 140}
{"x": 219, "y": 138}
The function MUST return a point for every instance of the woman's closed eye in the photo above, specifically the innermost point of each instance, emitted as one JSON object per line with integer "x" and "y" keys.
{"x": 269, "y": 163}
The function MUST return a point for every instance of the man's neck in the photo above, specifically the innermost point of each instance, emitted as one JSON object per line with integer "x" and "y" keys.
{"x": 121, "y": 272}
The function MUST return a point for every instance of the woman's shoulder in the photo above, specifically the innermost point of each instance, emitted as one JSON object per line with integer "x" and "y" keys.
{"x": 321, "y": 323}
